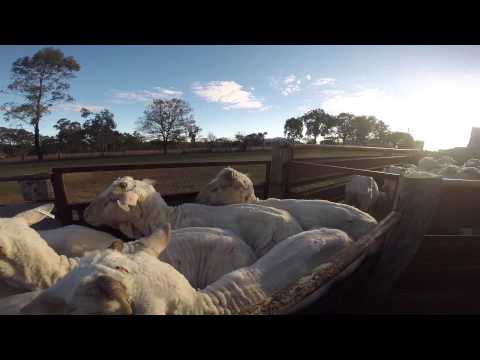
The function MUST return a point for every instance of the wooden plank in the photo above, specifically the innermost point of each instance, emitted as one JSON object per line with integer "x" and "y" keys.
{"x": 64, "y": 213}
{"x": 309, "y": 173}
{"x": 147, "y": 166}
{"x": 282, "y": 301}
{"x": 42, "y": 176}
{"x": 281, "y": 155}
{"x": 416, "y": 200}
{"x": 356, "y": 148}
{"x": 458, "y": 207}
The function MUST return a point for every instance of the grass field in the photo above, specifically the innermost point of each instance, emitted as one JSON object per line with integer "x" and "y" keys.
{"x": 83, "y": 186}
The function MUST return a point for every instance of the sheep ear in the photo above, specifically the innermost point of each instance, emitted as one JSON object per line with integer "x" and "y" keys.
{"x": 114, "y": 290}
{"x": 158, "y": 240}
{"x": 117, "y": 245}
{"x": 45, "y": 304}
{"x": 35, "y": 215}
{"x": 149, "y": 181}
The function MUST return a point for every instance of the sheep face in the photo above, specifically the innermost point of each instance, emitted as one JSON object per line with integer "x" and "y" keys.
{"x": 228, "y": 187}
{"x": 119, "y": 204}
{"x": 110, "y": 282}
{"x": 22, "y": 249}
{"x": 96, "y": 286}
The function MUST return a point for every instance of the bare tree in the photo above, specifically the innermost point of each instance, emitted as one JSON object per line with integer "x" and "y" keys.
{"x": 165, "y": 120}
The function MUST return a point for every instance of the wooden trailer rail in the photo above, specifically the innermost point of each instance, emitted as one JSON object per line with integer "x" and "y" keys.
{"x": 317, "y": 172}
{"x": 65, "y": 209}
{"x": 458, "y": 207}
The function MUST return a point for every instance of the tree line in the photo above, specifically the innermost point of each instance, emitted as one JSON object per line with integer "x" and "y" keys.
{"x": 346, "y": 129}
{"x": 43, "y": 81}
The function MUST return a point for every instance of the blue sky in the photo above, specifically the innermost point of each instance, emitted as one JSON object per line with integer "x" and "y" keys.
{"x": 430, "y": 91}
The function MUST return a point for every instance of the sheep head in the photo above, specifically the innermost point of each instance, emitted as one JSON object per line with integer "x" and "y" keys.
{"x": 111, "y": 282}
{"x": 228, "y": 187}
{"x": 122, "y": 205}
{"x": 24, "y": 254}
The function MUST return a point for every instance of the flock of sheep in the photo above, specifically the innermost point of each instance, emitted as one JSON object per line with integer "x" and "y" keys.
{"x": 224, "y": 254}
{"x": 363, "y": 192}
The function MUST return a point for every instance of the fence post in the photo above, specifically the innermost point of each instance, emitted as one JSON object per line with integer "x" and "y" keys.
{"x": 282, "y": 153}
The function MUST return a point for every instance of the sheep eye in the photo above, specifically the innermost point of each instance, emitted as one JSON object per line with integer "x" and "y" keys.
{"x": 122, "y": 269}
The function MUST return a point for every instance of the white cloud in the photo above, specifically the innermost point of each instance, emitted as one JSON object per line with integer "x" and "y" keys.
{"x": 145, "y": 95}
{"x": 287, "y": 85}
{"x": 77, "y": 107}
{"x": 228, "y": 93}
{"x": 438, "y": 110}
{"x": 324, "y": 81}
{"x": 308, "y": 77}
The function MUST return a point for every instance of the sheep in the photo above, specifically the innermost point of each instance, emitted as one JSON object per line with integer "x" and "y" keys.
{"x": 445, "y": 160}
{"x": 27, "y": 262}
{"x": 362, "y": 192}
{"x": 428, "y": 164}
{"x": 75, "y": 240}
{"x": 469, "y": 173}
{"x": 231, "y": 186}
{"x": 112, "y": 282}
{"x": 136, "y": 209}
{"x": 472, "y": 163}
{"x": 450, "y": 171}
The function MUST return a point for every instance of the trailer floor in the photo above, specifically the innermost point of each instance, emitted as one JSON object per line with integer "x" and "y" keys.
{"x": 443, "y": 278}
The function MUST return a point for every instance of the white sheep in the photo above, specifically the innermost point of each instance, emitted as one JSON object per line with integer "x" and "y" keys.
{"x": 111, "y": 282}
{"x": 231, "y": 187}
{"x": 27, "y": 262}
{"x": 362, "y": 192}
{"x": 469, "y": 173}
{"x": 75, "y": 240}
{"x": 472, "y": 163}
{"x": 428, "y": 164}
{"x": 137, "y": 209}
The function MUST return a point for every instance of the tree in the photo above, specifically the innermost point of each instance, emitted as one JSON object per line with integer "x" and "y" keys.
{"x": 192, "y": 131}
{"x": 70, "y": 136}
{"x": 16, "y": 141}
{"x": 99, "y": 128}
{"x": 165, "y": 120}
{"x": 254, "y": 139}
{"x": 293, "y": 129}
{"x": 211, "y": 140}
{"x": 133, "y": 141}
{"x": 318, "y": 122}
{"x": 345, "y": 129}
{"x": 402, "y": 140}
{"x": 381, "y": 132}
{"x": 43, "y": 81}
{"x": 362, "y": 128}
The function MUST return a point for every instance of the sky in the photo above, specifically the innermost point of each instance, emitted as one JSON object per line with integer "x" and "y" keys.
{"x": 433, "y": 92}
